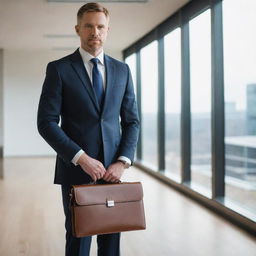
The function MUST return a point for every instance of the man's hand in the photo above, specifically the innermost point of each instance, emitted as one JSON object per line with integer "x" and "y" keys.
{"x": 91, "y": 166}
{"x": 114, "y": 172}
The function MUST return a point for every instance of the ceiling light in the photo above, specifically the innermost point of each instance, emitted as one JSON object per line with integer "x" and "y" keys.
{"x": 61, "y": 36}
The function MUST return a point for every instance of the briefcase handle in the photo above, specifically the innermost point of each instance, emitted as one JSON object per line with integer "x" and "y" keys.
{"x": 95, "y": 183}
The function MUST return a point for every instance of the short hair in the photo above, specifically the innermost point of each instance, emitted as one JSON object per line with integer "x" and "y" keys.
{"x": 91, "y": 7}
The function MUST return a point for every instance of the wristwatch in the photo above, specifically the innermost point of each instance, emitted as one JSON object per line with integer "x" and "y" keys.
{"x": 126, "y": 164}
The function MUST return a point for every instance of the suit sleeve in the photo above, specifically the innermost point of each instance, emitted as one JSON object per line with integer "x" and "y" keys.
{"x": 48, "y": 116}
{"x": 129, "y": 121}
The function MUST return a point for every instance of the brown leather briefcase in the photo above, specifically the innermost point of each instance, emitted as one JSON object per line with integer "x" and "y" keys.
{"x": 108, "y": 208}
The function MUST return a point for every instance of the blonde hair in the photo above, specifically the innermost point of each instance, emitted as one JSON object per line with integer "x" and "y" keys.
{"x": 91, "y": 7}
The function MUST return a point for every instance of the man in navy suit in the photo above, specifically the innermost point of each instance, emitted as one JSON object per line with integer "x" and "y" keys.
{"x": 94, "y": 96}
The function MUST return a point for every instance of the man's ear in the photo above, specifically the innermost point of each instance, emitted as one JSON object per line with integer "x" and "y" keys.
{"x": 77, "y": 29}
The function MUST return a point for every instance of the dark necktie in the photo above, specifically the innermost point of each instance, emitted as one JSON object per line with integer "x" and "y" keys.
{"x": 97, "y": 81}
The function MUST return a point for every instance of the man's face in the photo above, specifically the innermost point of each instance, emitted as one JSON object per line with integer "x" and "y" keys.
{"x": 92, "y": 30}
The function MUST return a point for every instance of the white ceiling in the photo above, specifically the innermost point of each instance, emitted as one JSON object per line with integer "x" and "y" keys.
{"x": 33, "y": 24}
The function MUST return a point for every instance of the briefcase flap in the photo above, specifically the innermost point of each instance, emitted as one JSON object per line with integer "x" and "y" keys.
{"x": 101, "y": 194}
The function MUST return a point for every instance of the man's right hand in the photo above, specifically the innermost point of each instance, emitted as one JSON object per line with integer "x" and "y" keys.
{"x": 91, "y": 166}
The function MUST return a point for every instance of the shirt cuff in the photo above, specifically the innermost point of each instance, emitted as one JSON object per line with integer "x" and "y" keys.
{"x": 124, "y": 158}
{"x": 77, "y": 156}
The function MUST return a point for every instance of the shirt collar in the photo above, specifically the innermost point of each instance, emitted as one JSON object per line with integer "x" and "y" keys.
{"x": 86, "y": 56}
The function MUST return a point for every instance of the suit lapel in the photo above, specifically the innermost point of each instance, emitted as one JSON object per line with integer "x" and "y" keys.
{"x": 79, "y": 68}
{"x": 110, "y": 81}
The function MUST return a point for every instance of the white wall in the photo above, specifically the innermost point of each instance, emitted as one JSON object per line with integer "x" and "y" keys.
{"x": 24, "y": 72}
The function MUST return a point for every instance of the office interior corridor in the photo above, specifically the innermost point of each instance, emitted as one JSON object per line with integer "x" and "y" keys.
{"x": 32, "y": 219}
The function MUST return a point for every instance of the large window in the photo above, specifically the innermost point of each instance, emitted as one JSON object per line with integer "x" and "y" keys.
{"x": 202, "y": 138}
{"x": 172, "y": 104}
{"x": 149, "y": 80}
{"x": 200, "y": 98}
{"x": 239, "y": 23}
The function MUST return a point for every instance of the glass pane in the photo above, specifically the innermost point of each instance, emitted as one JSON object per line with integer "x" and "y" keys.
{"x": 239, "y": 23}
{"x": 200, "y": 79}
{"x": 149, "y": 79}
{"x": 131, "y": 61}
{"x": 172, "y": 103}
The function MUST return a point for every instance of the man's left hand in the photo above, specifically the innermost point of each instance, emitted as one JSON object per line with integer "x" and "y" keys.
{"x": 114, "y": 172}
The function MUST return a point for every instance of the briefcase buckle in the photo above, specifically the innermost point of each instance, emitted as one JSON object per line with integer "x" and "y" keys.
{"x": 110, "y": 203}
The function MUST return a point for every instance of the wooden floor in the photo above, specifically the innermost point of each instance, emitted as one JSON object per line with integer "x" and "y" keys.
{"x": 32, "y": 220}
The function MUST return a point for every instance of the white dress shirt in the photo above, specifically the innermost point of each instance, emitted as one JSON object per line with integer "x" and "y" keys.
{"x": 86, "y": 57}
{"x": 89, "y": 65}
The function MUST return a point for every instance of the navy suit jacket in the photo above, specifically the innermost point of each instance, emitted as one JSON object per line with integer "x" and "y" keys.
{"x": 67, "y": 94}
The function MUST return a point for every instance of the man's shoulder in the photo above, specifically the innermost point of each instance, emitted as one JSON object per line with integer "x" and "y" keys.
{"x": 115, "y": 61}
